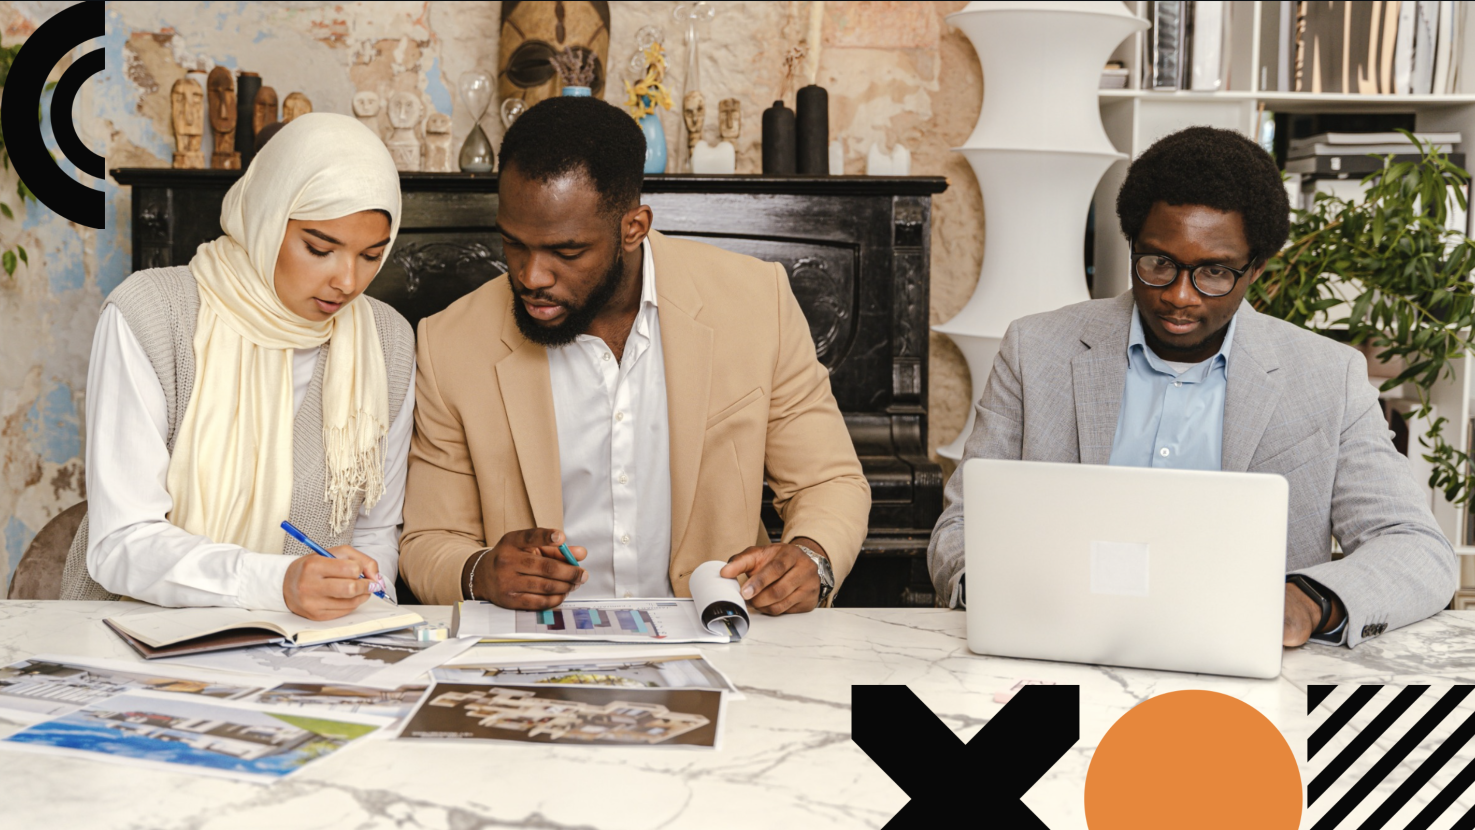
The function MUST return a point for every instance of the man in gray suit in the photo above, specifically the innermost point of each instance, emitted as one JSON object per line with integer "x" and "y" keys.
{"x": 1181, "y": 373}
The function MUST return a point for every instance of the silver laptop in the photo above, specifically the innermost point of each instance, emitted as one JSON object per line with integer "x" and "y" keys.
{"x": 1126, "y": 566}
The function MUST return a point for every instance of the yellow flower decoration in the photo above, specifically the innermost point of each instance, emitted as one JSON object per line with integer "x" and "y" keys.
{"x": 645, "y": 95}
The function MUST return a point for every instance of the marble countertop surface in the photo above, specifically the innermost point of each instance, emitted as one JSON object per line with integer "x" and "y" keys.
{"x": 786, "y": 758}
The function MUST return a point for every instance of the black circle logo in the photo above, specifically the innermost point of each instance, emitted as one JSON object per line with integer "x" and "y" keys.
{"x": 33, "y": 63}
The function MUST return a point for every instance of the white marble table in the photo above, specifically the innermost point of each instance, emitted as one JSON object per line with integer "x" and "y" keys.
{"x": 787, "y": 759}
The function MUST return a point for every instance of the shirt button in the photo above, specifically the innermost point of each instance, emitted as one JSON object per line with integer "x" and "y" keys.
{"x": 1177, "y": 383}
{"x": 619, "y": 416}
{"x": 1163, "y": 452}
{"x": 605, "y": 356}
{"x": 625, "y": 540}
{"x": 624, "y": 479}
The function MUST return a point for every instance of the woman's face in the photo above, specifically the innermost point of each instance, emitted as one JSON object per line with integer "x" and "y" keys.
{"x": 324, "y": 264}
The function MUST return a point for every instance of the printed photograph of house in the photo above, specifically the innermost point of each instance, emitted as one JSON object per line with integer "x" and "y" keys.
{"x": 568, "y": 714}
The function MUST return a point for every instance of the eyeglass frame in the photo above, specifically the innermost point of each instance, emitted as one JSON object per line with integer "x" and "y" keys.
{"x": 1192, "y": 280}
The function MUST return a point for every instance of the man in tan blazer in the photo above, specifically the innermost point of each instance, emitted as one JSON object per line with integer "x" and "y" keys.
{"x": 623, "y": 391}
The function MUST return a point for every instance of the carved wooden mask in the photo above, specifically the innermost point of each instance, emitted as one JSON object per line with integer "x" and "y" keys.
{"x": 222, "y": 95}
{"x": 265, "y": 111}
{"x": 533, "y": 31}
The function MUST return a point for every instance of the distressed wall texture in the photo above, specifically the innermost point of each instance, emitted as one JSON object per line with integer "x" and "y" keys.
{"x": 896, "y": 72}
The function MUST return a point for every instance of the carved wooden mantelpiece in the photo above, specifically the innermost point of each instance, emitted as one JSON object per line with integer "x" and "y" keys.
{"x": 857, "y": 249}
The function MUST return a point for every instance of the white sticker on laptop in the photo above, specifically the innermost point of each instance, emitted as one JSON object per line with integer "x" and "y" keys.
{"x": 1119, "y": 568}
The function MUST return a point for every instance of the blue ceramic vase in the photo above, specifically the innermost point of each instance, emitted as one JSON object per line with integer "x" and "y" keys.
{"x": 655, "y": 143}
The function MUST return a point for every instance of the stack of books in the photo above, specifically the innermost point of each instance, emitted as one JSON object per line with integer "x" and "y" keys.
{"x": 1367, "y": 48}
{"x": 1344, "y": 155}
{"x": 1187, "y": 46}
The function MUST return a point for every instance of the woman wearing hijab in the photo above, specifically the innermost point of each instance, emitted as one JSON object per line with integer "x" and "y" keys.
{"x": 255, "y": 385}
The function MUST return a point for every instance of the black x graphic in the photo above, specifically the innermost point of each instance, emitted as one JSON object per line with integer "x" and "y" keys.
{"x": 991, "y": 772}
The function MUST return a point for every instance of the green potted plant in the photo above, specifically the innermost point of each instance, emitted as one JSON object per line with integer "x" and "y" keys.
{"x": 1386, "y": 274}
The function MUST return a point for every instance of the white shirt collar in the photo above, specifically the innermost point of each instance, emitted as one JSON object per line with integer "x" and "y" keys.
{"x": 647, "y": 274}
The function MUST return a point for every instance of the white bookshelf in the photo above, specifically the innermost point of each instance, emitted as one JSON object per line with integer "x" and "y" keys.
{"x": 1135, "y": 118}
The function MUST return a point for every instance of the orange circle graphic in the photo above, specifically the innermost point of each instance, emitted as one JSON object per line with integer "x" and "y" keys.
{"x": 1193, "y": 759}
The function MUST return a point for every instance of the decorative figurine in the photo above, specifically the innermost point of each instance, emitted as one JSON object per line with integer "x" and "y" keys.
{"x": 366, "y": 109}
{"x": 264, "y": 111}
{"x": 694, "y": 114}
{"x": 729, "y": 119}
{"x": 721, "y": 159}
{"x": 404, "y": 147}
{"x": 438, "y": 144}
{"x": 295, "y": 104}
{"x": 187, "y": 111}
{"x": 221, "y": 95}
{"x": 532, "y": 33}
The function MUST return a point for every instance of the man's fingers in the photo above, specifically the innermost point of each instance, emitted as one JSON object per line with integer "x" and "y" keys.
{"x": 538, "y": 564}
{"x": 780, "y": 586}
{"x": 770, "y": 572}
{"x": 537, "y": 585}
{"x": 804, "y": 598}
{"x": 557, "y": 555}
{"x": 741, "y": 563}
{"x": 535, "y": 538}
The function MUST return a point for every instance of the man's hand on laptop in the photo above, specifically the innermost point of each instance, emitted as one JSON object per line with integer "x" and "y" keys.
{"x": 525, "y": 571}
{"x": 1302, "y": 614}
{"x": 781, "y": 578}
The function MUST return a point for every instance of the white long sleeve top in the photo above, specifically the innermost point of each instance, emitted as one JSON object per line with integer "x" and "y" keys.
{"x": 133, "y": 549}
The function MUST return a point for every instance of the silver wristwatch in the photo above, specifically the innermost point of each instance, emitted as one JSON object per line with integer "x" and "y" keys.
{"x": 826, "y": 574}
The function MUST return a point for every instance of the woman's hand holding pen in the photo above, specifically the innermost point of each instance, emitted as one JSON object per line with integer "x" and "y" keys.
{"x": 320, "y": 588}
{"x": 525, "y": 570}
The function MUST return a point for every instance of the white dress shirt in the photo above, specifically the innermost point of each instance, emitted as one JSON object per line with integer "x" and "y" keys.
{"x": 133, "y": 549}
{"x": 614, "y": 454}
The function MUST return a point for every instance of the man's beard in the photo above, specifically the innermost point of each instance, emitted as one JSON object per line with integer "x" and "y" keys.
{"x": 577, "y": 318}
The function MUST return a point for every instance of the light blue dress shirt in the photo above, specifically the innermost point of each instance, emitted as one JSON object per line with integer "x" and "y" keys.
{"x": 1171, "y": 420}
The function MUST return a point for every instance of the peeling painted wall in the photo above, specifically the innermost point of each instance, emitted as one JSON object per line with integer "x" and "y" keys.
{"x": 896, "y": 72}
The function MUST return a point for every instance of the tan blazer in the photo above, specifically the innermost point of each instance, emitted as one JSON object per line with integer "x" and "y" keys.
{"x": 747, "y": 398}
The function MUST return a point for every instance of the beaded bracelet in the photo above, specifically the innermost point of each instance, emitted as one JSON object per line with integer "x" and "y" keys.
{"x": 471, "y": 577}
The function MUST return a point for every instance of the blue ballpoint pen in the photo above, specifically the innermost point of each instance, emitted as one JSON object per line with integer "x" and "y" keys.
{"x": 321, "y": 551}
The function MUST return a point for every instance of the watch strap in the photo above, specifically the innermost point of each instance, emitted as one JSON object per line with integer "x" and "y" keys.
{"x": 1313, "y": 591}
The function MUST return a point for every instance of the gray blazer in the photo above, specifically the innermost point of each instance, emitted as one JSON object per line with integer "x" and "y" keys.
{"x": 1297, "y": 404}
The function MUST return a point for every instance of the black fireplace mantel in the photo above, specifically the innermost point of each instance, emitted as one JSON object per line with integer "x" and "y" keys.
{"x": 857, "y": 250}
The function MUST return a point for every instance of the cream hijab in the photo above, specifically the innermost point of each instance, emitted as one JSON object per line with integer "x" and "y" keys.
{"x": 231, "y": 472}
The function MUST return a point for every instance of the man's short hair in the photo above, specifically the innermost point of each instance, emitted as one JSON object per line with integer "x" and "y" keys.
{"x": 1219, "y": 169}
{"x": 582, "y": 136}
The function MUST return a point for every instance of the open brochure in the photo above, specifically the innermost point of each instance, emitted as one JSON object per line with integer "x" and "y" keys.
{"x": 656, "y": 668}
{"x": 715, "y": 613}
{"x": 165, "y": 632}
{"x": 198, "y": 734}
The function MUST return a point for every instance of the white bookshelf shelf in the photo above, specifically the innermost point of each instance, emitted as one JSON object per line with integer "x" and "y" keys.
{"x": 1296, "y": 101}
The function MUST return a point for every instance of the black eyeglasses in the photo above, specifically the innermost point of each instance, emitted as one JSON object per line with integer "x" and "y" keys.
{"x": 1160, "y": 271}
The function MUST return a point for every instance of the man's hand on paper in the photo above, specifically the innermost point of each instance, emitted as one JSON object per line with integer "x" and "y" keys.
{"x": 781, "y": 578}
{"x": 320, "y": 588}
{"x": 525, "y": 571}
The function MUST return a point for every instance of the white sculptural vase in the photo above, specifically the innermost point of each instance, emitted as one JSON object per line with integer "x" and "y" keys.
{"x": 1038, "y": 151}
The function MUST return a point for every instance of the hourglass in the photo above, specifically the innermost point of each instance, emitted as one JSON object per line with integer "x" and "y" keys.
{"x": 476, "y": 91}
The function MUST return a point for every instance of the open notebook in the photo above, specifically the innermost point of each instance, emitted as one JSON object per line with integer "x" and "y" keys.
{"x": 169, "y": 632}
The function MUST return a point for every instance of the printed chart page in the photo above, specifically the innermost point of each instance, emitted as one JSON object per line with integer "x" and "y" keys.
{"x": 611, "y": 621}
